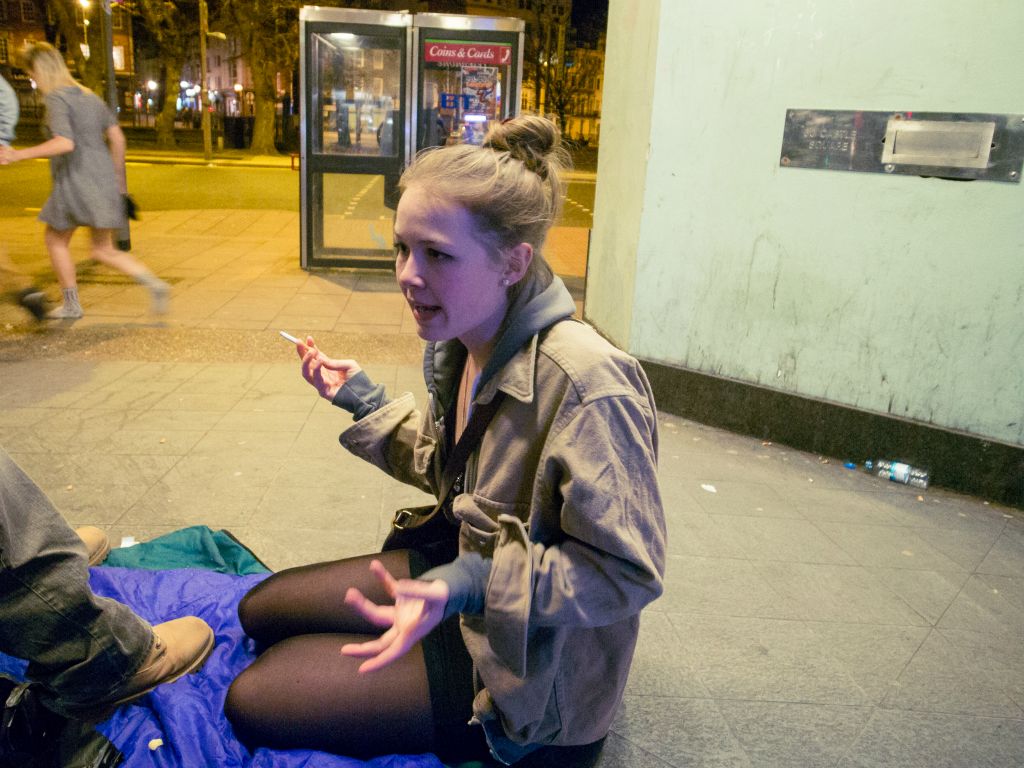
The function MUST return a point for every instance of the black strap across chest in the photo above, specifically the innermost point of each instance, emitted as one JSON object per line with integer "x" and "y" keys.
{"x": 456, "y": 456}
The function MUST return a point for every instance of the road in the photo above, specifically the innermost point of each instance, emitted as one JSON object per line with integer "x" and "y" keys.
{"x": 161, "y": 187}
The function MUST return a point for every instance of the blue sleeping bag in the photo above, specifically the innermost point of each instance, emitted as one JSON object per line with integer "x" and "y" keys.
{"x": 183, "y": 724}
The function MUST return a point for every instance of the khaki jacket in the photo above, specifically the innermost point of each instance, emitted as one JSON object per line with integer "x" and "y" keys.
{"x": 562, "y": 494}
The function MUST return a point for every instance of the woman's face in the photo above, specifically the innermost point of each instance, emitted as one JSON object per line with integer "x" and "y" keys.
{"x": 452, "y": 283}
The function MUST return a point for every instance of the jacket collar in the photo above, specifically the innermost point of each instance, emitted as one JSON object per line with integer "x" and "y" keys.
{"x": 538, "y": 306}
{"x": 516, "y": 378}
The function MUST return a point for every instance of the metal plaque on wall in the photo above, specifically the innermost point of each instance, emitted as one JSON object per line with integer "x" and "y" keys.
{"x": 941, "y": 144}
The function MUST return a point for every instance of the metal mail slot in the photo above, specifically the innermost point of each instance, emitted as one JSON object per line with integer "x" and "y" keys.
{"x": 930, "y": 142}
{"x": 946, "y": 145}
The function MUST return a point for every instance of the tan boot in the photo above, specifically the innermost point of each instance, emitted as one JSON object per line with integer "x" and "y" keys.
{"x": 180, "y": 646}
{"x": 96, "y": 542}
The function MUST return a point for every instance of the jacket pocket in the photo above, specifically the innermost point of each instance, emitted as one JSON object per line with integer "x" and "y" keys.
{"x": 479, "y": 521}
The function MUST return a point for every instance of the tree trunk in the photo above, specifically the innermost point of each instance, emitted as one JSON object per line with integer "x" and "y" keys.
{"x": 95, "y": 67}
{"x": 169, "y": 110}
{"x": 66, "y": 26}
{"x": 265, "y": 104}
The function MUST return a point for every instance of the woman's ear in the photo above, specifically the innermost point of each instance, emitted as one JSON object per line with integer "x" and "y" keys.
{"x": 518, "y": 262}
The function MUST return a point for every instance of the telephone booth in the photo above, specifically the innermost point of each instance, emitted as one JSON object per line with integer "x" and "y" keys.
{"x": 469, "y": 73}
{"x": 376, "y": 88}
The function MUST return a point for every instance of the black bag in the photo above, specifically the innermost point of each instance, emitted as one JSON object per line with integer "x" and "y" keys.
{"x": 31, "y": 736}
{"x": 433, "y": 531}
{"x": 131, "y": 208}
{"x": 433, "y": 535}
{"x": 27, "y": 729}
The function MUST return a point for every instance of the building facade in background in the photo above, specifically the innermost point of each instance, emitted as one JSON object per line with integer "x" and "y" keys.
{"x": 562, "y": 76}
{"x": 23, "y": 22}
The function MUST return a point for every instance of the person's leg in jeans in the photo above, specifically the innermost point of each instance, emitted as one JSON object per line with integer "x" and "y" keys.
{"x": 83, "y": 649}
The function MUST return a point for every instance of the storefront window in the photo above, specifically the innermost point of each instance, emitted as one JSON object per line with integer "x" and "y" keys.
{"x": 463, "y": 84}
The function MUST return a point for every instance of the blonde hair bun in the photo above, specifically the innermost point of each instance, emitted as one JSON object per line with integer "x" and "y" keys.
{"x": 533, "y": 140}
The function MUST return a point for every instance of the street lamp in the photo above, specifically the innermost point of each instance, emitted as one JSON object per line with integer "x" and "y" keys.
{"x": 204, "y": 94}
{"x": 106, "y": 31}
{"x": 151, "y": 87}
{"x": 86, "y": 51}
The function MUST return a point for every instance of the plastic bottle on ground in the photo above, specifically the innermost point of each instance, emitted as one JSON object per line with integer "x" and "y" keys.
{"x": 898, "y": 472}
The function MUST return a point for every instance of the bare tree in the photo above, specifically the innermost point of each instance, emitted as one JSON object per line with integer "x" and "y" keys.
{"x": 545, "y": 57}
{"x": 567, "y": 81}
{"x": 173, "y": 28}
{"x": 560, "y": 75}
{"x": 64, "y": 26}
{"x": 269, "y": 34}
{"x": 534, "y": 48}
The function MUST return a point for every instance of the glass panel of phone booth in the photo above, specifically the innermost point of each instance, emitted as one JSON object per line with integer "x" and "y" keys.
{"x": 355, "y": 219}
{"x": 465, "y": 85}
{"x": 355, "y": 84}
{"x": 359, "y": 78}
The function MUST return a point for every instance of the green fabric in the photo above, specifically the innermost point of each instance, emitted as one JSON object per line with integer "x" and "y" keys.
{"x": 195, "y": 547}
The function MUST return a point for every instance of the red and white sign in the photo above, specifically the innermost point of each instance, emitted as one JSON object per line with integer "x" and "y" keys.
{"x": 466, "y": 52}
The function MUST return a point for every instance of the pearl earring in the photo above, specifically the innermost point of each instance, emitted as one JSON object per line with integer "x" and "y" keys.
{"x": 504, "y": 282}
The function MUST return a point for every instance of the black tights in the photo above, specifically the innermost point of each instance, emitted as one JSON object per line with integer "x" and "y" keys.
{"x": 301, "y": 693}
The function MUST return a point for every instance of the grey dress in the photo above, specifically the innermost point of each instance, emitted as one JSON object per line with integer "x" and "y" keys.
{"x": 85, "y": 187}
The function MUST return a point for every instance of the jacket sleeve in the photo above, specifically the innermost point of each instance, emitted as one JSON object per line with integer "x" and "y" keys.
{"x": 391, "y": 439}
{"x": 466, "y": 577}
{"x": 602, "y": 466}
{"x": 360, "y": 396}
{"x": 8, "y": 112}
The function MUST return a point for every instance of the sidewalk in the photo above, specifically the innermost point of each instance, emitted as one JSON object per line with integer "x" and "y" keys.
{"x": 812, "y": 615}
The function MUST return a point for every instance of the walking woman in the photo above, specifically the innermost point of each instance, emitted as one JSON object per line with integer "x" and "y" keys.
{"x": 86, "y": 149}
{"x": 519, "y": 639}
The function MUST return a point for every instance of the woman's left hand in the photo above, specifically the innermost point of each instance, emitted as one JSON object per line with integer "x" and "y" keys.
{"x": 6, "y": 155}
{"x": 419, "y": 607}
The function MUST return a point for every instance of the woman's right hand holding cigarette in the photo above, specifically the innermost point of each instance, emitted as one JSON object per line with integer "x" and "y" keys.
{"x": 326, "y": 374}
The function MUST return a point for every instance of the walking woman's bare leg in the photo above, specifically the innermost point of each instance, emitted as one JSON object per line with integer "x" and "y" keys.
{"x": 58, "y": 245}
{"x": 103, "y": 251}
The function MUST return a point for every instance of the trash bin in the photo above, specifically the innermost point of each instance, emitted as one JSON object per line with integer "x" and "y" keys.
{"x": 234, "y": 132}
{"x": 238, "y": 131}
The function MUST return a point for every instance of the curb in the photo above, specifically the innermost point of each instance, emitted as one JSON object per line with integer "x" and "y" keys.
{"x": 264, "y": 161}
{"x": 256, "y": 162}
